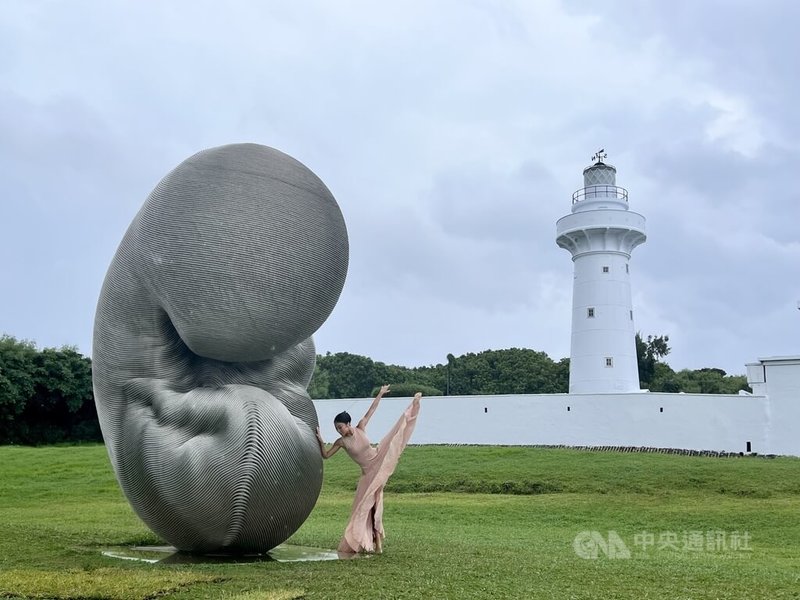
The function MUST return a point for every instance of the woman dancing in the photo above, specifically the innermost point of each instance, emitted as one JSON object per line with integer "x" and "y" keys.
{"x": 364, "y": 532}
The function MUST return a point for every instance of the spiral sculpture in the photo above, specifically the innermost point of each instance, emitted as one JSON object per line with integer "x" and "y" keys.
{"x": 203, "y": 351}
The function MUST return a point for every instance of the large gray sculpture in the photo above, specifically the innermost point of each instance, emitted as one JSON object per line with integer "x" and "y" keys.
{"x": 202, "y": 349}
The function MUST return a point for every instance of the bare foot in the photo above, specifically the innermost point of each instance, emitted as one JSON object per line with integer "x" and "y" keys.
{"x": 417, "y": 398}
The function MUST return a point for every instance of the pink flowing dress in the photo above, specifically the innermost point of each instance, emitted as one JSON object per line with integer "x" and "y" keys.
{"x": 377, "y": 464}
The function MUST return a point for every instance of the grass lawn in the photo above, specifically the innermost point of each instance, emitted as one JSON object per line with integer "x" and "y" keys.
{"x": 462, "y": 522}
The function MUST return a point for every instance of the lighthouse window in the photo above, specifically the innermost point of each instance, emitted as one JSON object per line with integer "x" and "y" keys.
{"x": 631, "y": 315}
{"x": 609, "y": 361}
{"x": 627, "y": 268}
{"x": 590, "y": 312}
{"x": 605, "y": 269}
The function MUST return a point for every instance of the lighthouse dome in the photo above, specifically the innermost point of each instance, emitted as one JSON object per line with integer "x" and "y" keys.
{"x": 599, "y": 173}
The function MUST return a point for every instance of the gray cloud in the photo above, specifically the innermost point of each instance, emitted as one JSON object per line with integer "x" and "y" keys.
{"x": 451, "y": 134}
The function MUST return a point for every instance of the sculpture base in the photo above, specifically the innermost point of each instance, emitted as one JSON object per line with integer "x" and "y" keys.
{"x": 169, "y": 555}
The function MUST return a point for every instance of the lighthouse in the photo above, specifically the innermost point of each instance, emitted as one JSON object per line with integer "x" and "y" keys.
{"x": 600, "y": 233}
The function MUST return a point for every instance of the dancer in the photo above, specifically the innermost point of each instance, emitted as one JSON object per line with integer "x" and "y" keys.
{"x": 364, "y": 531}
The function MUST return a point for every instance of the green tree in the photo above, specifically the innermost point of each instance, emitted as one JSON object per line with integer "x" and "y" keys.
{"x": 392, "y": 374}
{"x": 710, "y": 381}
{"x": 319, "y": 387}
{"x": 17, "y": 382}
{"x": 62, "y": 406}
{"x": 733, "y": 384}
{"x": 648, "y": 353}
{"x": 562, "y": 376}
{"x": 663, "y": 379}
{"x": 510, "y": 371}
{"x": 45, "y": 395}
{"x": 349, "y": 375}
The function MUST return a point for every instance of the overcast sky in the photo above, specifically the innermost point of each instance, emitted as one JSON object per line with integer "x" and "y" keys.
{"x": 452, "y": 135}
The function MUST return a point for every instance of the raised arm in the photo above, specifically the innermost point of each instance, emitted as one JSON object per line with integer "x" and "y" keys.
{"x": 362, "y": 424}
{"x": 330, "y": 451}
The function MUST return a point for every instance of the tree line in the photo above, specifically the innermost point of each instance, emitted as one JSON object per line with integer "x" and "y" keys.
{"x": 46, "y": 395}
{"x": 657, "y": 376}
{"x": 510, "y": 371}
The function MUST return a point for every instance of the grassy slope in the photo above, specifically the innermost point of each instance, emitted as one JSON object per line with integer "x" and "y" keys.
{"x": 60, "y": 505}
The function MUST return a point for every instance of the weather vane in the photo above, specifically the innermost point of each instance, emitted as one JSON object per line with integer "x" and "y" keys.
{"x": 600, "y": 155}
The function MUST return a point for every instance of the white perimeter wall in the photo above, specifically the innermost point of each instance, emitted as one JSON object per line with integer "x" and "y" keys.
{"x": 690, "y": 421}
{"x": 770, "y": 421}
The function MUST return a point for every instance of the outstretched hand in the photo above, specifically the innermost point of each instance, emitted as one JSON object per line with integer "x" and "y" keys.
{"x": 384, "y": 389}
{"x": 319, "y": 436}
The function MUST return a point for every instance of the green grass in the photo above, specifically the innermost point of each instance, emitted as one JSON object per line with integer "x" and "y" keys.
{"x": 98, "y": 583}
{"x": 462, "y": 522}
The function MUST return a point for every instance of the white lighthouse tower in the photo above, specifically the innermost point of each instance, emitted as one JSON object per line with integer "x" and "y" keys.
{"x": 600, "y": 234}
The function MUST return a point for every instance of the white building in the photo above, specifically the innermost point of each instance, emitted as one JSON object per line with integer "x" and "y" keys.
{"x": 601, "y": 233}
